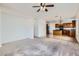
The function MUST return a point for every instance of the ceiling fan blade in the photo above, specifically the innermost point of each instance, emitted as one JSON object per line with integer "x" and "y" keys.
{"x": 38, "y": 10}
{"x": 35, "y": 6}
{"x": 41, "y": 4}
{"x": 49, "y": 5}
{"x": 46, "y": 10}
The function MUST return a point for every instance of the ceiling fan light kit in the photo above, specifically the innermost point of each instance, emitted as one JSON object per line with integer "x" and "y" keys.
{"x": 43, "y": 7}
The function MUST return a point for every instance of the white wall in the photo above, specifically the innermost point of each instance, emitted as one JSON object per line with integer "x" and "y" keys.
{"x": 15, "y": 27}
{"x": 0, "y": 27}
{"x": 40, "y": 28}
{"x": 40, "y": 24}
{"x": 77, "y": 30}
{"x": 36, "y": 28}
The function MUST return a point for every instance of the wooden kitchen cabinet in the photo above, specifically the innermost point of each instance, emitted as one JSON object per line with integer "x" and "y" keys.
{"x": 57, "y": 32}
{"x": 66, "y": 29}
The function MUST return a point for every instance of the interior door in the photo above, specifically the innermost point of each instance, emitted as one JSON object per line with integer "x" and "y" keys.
{"x": 47, "y": 29}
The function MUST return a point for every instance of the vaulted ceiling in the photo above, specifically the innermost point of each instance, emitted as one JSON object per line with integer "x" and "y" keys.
{"x": 65, "y": 10}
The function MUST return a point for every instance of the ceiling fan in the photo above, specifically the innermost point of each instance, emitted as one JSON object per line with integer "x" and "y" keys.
{"x": 43, "y": 6}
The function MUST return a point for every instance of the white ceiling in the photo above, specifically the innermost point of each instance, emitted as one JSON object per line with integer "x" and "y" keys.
{"x": 66, "y": 10}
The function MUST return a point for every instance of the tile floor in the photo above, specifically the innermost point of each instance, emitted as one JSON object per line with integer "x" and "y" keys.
{"x": 40, "y": 47}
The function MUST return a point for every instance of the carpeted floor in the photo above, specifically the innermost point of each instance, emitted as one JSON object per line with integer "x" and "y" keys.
{"x": 40, "y": 47}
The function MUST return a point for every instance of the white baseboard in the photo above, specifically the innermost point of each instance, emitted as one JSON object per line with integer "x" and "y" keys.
{"x": 17, "y": 39}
